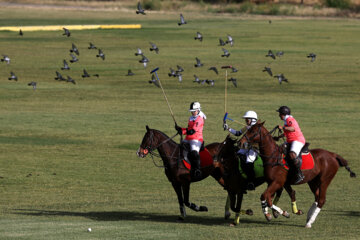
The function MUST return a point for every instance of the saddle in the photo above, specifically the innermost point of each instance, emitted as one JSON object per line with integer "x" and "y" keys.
{"x": 307, "y": 160}
{"x": 205, "y": 156}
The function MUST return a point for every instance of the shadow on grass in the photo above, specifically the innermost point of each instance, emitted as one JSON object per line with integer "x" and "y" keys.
{"x": 344, "y": 213}
{"x": 152, "y": 217}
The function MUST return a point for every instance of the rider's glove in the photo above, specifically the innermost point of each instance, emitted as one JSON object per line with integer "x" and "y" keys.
{"x": 178, "y": 129}
{"x": 225, "y": 126}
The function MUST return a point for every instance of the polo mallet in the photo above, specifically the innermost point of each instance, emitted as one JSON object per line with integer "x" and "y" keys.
{"x": 171, "y": 112}
{"x": 226, "y": 67}
{"x": 227, "y": 118}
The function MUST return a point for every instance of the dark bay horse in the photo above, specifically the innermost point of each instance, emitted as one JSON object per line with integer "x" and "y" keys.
{"x": 318, "y": 178}
{"x": 236, "y": 184}
{"x": 175, "y": 170}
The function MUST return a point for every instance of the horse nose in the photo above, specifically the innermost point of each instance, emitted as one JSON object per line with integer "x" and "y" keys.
{"x": 138, "y": 153}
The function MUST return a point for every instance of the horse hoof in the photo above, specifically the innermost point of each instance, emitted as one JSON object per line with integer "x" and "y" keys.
{"x": 227, "y": 215}
{"x": 275, "y": 214}
{"x": 249, "y": 212}
{"x": 299, "y": 212}
{"x": 308, "y": 225}
{"x": 268, "y": 217}
{"x": 232, "y": 224}
{"x": 203, "y": 209}
{"x": 286, "y": 214}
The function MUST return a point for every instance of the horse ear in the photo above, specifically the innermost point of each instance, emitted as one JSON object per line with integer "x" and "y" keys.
{"x": 263, "y": 123}
{"x": 147, "y": 128}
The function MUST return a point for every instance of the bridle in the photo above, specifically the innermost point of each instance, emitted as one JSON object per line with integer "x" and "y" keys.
{"x": 150, "y": 150}
{"x": 275, "y": 154}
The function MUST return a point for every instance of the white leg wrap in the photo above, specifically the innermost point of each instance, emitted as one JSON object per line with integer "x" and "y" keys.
{"x": 264, "y": 207}
{"x": 313, "y": 217}
{"x": 311, "y": 211}
{"x": 277, "y": 209}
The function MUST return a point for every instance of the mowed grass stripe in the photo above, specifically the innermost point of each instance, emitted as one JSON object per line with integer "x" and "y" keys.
{"x": 70, "y": 27}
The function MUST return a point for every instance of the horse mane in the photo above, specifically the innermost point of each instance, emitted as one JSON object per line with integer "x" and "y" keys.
{"x": 165, "y": 136}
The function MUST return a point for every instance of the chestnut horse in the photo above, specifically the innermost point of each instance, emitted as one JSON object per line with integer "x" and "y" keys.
{"x": 236, "y": 184}
{"x": 318, "y": 178}
{"x": 175, "y": 170}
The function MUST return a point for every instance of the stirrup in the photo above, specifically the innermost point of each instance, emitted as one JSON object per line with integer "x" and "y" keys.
{"x": 250, "y": 186}
{"x": 299, "y": 177}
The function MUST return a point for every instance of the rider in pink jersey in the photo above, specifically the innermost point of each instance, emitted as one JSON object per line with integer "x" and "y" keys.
{"x": 295, "y": 138}
{"x": 194, "y": 135}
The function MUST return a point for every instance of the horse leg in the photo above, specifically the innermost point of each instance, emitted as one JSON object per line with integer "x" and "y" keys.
{"x": 321, "y": 201}
{"x": 275, "y": 201}
{"x": 237, "y": 209}
{"x": 292, "y": 193}
{"x": 192, "y": 206}
{"x": 314, "y": 186}
{"x": 266, "y": 201}
{"x": 178, "y": 190}
{"x": 227, "y": 207}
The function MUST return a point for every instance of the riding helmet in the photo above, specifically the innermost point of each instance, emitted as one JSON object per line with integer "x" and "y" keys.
{"x": 284, "y": 110}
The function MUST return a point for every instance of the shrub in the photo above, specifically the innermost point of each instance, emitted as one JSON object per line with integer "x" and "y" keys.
{"x": 152, "y": 4}
{"x": 342, "y": 4}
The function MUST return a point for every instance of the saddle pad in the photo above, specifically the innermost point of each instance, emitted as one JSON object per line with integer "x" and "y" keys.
{"x": 307, "y": 161}
{"x": 258, "y": 168}
{"x": 205, "y": 160}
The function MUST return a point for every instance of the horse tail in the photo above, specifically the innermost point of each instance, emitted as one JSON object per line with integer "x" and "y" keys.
{"x": 343, "y": 163}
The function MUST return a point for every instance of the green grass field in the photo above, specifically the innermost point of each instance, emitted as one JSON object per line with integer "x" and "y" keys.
{"x": 68, "y": 157}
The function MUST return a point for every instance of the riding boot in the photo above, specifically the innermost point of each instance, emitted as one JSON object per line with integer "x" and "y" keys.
{"x": 196, "y": 164}
{"x": 298, "y": 173}
{"x": 250, "y": 172}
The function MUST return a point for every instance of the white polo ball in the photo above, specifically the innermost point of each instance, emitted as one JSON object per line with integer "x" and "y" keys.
{"x": 89, "y": 229}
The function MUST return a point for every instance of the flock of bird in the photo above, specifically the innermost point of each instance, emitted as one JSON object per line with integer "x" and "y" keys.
{"x": 74, "y": 54}
{"x": 199, "y": 36}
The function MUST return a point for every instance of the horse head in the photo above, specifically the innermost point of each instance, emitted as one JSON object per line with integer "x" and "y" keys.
{"x": 227, "y": 156}
{"x": 148, "y": 143}
{"x": 253, "y": 134}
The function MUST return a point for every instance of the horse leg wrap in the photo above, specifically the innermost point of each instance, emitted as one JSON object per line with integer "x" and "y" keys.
{"x": 313, "y": 217}
{"x": 294, "y": 207}
{"x": 182, "y": 212}
{"x": 311, "y": 211}
{"x": 277, "y": 209}
{"x": 264, "y": 207}
{"x": 237, "y": 219}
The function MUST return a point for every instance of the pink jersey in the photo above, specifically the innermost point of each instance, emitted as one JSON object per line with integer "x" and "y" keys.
{"x": 196, "y": 123}
{"x": 297, "y": 135}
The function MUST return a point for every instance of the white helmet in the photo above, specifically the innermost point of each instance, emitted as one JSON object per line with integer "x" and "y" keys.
{"x": 195, "y": 106}
{"x": 252, "y": 115}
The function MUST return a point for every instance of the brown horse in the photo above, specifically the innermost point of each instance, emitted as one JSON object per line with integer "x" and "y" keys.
{"x": 236, "y": 184}
{"x": 175, "y": 170}
{"x": 318, "y": 178}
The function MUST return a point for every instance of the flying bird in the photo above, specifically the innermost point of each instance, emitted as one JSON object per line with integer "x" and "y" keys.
{"x": 66, "y": 66}
{"x": 210, "y": 82}
{"x": 140, "y": 9}
{"x": 85, "y": 75}
{"x": 73, "y": 58}
{"x": 6, "y": 59}
{"x": 197, "y": 80}
{"x": 144, "y": 60}
{"x": 268, "y": 70}
{"x": 33, "y": 84}
{"x": 21, "y": 33}
{"x": 270, "y": 54}
{"x": 182, "y": 20}
{"x": 230, "y": 40}
{"x": 74, "y": 49}
{"x": 139, "y": 52}
{"x": 59, "y": 77}
{"x": 130, "y": 73}
{"x": 172, "y": 73}
{"x": 214, "y": 69}
{"x": 179, "y": 75}
{"x": 66, "y": 32}
{"x": 280, "y": 53}
{"x": 13, "y": 76}
{"x": 101, "y": 54}
{"x": 233, "y": 80}
{"x": 179, "y": 69}
{"x": 198, "y": 36}
{"x": 221, "y": 42}
{"x": 198, "y": 63}
{"x": 281, "y": 78}
{"x": 233, "y": 70}
{"x": 91, "y": 46}
{"x": 69, "y": 79}
{"x": 154, "y": 47}
{"x": 154, "y": 81}
{"x": 226, "y": 53}
{"x": 312, "y": 56}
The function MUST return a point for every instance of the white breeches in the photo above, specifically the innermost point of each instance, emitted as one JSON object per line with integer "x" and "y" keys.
{"x": 195, "y": 145}
{"x": 296, "y": 147}
{"x": 250, "y": 154}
